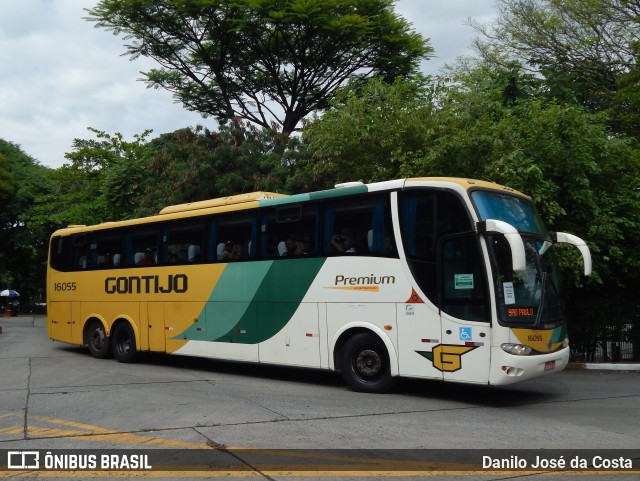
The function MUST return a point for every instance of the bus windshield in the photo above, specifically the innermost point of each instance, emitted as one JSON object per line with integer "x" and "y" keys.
{"x": 517, "y": 211}
{"x": 530, "y": 298}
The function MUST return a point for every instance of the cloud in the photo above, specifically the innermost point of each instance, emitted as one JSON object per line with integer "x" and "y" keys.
{"x": 60, "y": 75}
{"x": 445, "y": 24}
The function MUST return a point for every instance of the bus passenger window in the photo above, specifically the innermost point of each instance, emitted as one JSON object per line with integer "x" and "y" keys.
{"x": 360, "y": 226}
{"x": 235, "y": 237}
{"x": 61, "y": 254}
{"x": 106, "y": 247}
{"x": 182, "y": 243}
{"x": 143, "y": 247}
{"x": 289, "y": 231}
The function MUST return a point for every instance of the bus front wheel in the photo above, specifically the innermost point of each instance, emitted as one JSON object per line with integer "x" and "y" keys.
{"x": 99, "y": 342}
{"x": 365, "y": 364}
{"x": 123, "y": 342}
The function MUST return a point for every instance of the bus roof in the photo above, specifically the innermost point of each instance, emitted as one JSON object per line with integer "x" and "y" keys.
{"x": 469, "y": 184}
{"x": 221, "y": 201}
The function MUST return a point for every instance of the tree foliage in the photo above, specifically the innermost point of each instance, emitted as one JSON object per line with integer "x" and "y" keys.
{"x": 581, "y": 47}
{"x": 99, "y": 183}
{"x": 370, "y": 131}
{"x": 262, "y": 60}
{"x": 110, "y": 178}
{"x": 195, "y": 164}
{"x": 23, "y": 239}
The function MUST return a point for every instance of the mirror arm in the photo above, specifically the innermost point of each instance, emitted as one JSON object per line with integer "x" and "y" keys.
{"x": 564, "y": 238}
{"x": 511, "y": 234}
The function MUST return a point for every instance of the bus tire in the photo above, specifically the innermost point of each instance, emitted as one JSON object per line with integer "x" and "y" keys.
{"x": 123, "y": 343}
{"x": 365, "y": 364}
{"x": 99, "y": 342}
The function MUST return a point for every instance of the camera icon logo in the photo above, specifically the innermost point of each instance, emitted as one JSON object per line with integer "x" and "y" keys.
{"x": 23, "y": 460}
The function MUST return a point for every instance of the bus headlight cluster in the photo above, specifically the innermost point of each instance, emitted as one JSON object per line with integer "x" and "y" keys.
{"x": 516, "y": 349}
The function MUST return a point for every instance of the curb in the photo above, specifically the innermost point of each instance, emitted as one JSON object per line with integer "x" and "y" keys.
{"x": 604, "y": 366}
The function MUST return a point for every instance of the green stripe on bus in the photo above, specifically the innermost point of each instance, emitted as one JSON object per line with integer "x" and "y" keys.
{"x": 558, "y": 334}
{"x": 321, "y": 195}
{"x": 254, "y": 301}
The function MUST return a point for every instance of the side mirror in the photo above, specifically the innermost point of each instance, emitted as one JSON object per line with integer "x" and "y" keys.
{"x": 564, "y": 238}
{"x": 511, "y": 234}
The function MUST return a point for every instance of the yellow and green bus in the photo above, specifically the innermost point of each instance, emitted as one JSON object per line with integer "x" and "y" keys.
{"x": 436, "y": 278}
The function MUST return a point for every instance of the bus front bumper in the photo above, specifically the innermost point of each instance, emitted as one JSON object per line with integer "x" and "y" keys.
{"x": 509, "y": 369}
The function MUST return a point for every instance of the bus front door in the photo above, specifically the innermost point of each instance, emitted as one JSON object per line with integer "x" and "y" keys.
{"x": 464, "y": 354}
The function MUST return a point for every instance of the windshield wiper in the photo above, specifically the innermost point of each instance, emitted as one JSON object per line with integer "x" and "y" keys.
{"x": 542, "y": 297}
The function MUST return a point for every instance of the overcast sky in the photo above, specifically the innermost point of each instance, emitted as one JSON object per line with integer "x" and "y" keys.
{"x": 60, "y": 75}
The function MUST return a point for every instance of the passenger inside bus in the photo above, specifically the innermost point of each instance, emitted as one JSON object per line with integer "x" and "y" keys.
{"x": 230, "y": 252}
{"x": 147, "y": 259}
{"x": 295, "y": 247}
{"x": 345, "y": 243}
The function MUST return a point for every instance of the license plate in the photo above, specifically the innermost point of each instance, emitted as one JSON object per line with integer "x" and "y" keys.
{"x": 549, "y": 365}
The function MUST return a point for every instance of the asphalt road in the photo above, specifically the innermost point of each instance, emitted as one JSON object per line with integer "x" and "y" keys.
{"x": 57, "y": 397}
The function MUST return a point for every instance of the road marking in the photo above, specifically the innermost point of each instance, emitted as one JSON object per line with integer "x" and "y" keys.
{"x": 45, "y": 427}
{"x": 61, "y": 428}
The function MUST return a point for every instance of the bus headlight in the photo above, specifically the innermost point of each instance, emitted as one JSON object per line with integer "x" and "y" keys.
{"x": 516, "y": 349}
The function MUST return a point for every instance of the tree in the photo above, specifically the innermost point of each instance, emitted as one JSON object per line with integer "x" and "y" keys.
{"x": 584, "y": 179}
{"x": 370, "y": 131}
{"x": 101, "y": 181}
{"x": 581, "y": 47}
{"x": 585, "y": 53}
{"x": 196, "y": 164}
{"x": 6, "y": 179}
{"x": 23, "y": 238}
{"x": 263, "y": 60}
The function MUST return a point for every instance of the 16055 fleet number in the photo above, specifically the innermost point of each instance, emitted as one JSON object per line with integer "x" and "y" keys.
{"x": 64, "y": 286}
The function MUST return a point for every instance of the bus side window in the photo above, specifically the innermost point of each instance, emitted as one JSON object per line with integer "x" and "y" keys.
{"x": 105, "y": 249}
{"x": 426, "y": 218}
{"x": 80, "y": 251}
{"x": 142, "y": 247}
{"x": 360, "y": 226}
{"x": 182, "y": 243}
{"x": 62, "y": 254}
{"x": 238, "y": 235}
{"x": 289, "y": 231}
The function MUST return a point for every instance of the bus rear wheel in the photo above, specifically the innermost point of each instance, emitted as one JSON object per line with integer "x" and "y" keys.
{"x": 124, "y": 343}
{"x": 99, "y": 342}
{"x": 365, "y": 364}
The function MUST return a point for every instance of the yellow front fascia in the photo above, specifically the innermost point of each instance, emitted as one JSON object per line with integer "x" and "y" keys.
{"x": 538, "y": 339}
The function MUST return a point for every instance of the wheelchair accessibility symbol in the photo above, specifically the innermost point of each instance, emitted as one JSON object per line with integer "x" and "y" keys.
{"x": 465, "y": 334}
